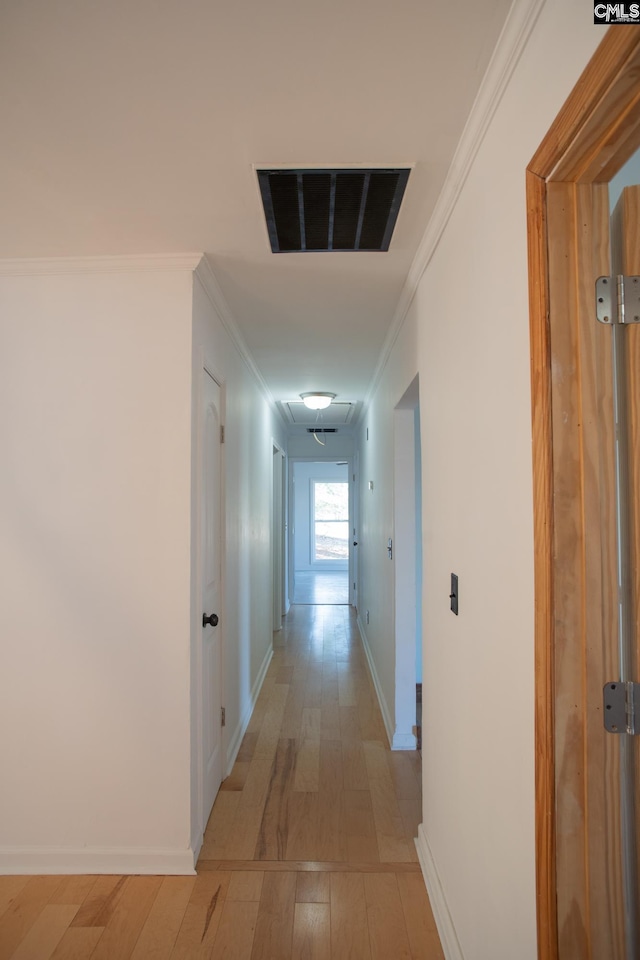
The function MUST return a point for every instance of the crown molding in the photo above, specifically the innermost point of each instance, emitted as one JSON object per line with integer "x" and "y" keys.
{"x": 520, "y": 22}
{"x": 205, "y": 274}
{"x": 65, "y": 266}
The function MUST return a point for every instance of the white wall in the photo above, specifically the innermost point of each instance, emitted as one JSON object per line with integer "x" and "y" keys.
{"x": 337, "y": 446}
{"x": 303, "y": 474}
{"x": 99, "y": 381}
{"x": 95, "y": 414}
{"x": 467, "y": 335}
{"x": 251, "y": 426}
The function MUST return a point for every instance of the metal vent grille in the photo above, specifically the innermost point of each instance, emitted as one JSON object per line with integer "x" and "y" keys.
{"x": 321, "y": 430}
{"x": 322, "y": 210}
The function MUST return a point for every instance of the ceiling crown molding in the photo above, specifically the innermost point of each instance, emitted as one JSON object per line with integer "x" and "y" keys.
{"x": 65, "y": 266}
{"x": 205, "y": 274}
{"x": 520, "y": 22}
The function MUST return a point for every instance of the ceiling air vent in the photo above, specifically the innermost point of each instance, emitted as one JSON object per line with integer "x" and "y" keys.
{"x": 321, "y": 210}
{"x": 321, "y": 430}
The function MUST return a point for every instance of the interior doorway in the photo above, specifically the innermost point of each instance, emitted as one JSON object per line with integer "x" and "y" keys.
{"x": 584, "y": 482}
{"x": 407, "y": 546}
{"x": 319, "y": 532}
{"x": 278, "y": 537}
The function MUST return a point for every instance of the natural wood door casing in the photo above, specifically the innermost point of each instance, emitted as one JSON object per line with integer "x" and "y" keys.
{"x": 578, "y": 874}
{"x": 625, "y": 230}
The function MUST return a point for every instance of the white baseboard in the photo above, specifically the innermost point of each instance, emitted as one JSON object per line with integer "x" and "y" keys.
{"x": 96, "y": 860}
{"x": 444, "y": 922}
{"x": 241, "y": 729}
{"x": 404, "y": 741}
{"x": 384, "y": 709}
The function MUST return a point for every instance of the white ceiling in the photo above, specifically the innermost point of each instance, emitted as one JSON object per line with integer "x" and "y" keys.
{"x": 135, "y": 126}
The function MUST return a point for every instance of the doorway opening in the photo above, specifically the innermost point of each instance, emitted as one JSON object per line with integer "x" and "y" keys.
{"x": 278, "y": 538}
{"x": 319, "y": 538}
{"x": 407, "y": 546}
{"x": 586, "y": 862}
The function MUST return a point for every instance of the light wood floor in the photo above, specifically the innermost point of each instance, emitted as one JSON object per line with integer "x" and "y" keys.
{"x": 320, "y": 587}
{"x": 308, "y": 854}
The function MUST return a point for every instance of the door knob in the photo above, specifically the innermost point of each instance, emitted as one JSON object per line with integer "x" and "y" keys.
{"x": 355, "y": 543}
{"x": 212, "y": 619}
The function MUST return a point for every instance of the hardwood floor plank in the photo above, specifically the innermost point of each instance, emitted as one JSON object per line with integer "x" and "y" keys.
{"x": 78, "y": 943}
{"x": 390, "y": 830}
{"x": 285, "y": 675}
{"x": 243, "y": 836}
{"x": 311, "y": 932}
{"x": 362, "y": 840}
{"x": 354, "y": 766}
{"x": 376, "y": 757}
{"x": 346, "y": 689}
{"x": 201, "y": 919}
{"x": 98, "y": 905}
{"x": 220, "y": 824}
{"x": 247, "y": 747}
{"x": 272, "y": 837}
{"x": 349, "y": 723}
{"x": 234, "y": 939}
{"x": 128, "y": 918}
{"x": 267, "y": 743}
{"x": 411, "y": 813}
{"x": 23, "y": 911}
{"x": 421, "y": 927}
{"x": 313, "y": 888}
{"x": 256, "y": 787}
{"x": 349, "y": 923}
{"x": 160, "y": 931}
{"x": 406, "y": 774}
{"x": 307, "y": 768}
{"x": 10, "y": 887}
{"x": 74, "y": 890}
{"x": 311, "y": 722}
{"x": 387, "y": 930}
{"x": 274, "y": 927}
{"x": 246, "y": 885}
{"x": 237, "y": 778}
{"x": 302, "y": 826}
{"x": 46, "y": 932}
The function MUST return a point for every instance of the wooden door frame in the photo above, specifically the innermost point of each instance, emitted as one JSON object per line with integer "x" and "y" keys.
{"x": 595, "y": 133}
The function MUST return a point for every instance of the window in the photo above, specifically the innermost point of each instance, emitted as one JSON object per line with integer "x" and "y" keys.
{"x": 330, "y": 521}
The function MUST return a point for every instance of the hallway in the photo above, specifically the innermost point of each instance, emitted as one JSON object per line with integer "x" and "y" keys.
{"x": 308, "y": 852}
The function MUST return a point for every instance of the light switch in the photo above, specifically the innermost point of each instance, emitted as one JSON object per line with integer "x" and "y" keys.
{"x": 453, "y": 596}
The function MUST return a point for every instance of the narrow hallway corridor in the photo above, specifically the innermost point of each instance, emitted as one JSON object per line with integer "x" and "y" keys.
{"x": 318, "y": 816}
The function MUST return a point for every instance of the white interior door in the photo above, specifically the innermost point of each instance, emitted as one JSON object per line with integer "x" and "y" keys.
{"x": 211, "y": 591}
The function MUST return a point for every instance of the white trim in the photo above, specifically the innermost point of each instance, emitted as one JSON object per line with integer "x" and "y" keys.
{"x": 61, "y": 266}
{"x": 205, "y": 274}
{"x": 511, "y": 43}
{"x": 384, "y": 709}
{"x": 96, "y": 860}
{"x": 404, "y": 741}
{"x": 234, "y": 745}
{"x": 444, "y": 922}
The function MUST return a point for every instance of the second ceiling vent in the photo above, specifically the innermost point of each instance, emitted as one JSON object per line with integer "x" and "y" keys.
{"x": 324, "y": 210}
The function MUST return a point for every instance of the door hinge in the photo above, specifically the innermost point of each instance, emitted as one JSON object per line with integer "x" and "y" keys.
{"x": 221, "y": 433}
{"x": 223, "y": 717}
{"x": 618, "y": 299}
{"x": 622, "y": 707}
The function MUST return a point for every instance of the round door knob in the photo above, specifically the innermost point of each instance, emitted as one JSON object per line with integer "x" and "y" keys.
{"x": 355, "y": 543}
{"x": 212, "y": 619}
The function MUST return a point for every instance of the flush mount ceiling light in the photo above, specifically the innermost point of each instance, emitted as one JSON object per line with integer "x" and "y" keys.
{"x": 317, "y": 401}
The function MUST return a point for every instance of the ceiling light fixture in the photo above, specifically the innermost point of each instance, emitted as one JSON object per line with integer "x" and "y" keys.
{"x": 317, "y": 401}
